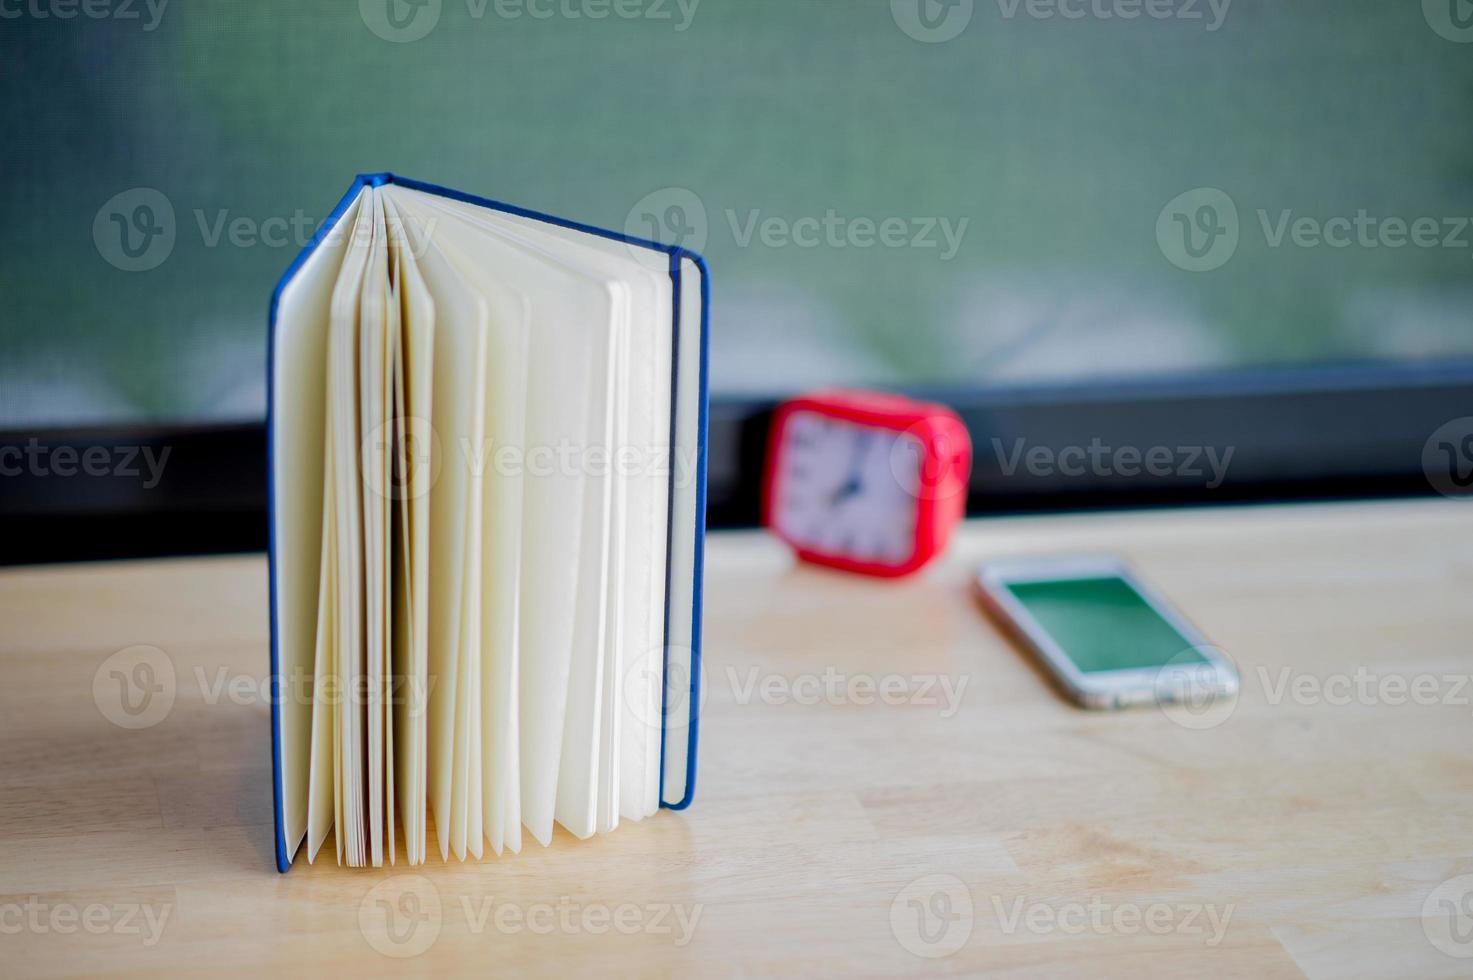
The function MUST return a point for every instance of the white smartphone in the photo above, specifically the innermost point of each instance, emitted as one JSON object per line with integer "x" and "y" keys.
{"x": 1110, "y": 640}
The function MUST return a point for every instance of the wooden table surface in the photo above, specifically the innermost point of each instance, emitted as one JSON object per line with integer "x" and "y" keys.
{"x": 886, "y": 785}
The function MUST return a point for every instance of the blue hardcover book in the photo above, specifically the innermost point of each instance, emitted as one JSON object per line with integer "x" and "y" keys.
{"x": 487, "y": 438}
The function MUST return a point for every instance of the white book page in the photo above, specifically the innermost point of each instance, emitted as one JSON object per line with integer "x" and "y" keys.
{"x": 320, "y": 809}
{"x": 374, "y": 443}
{"x": 647, "y": 485}
{"x": 637, "y": 547}
{"x": 579, "y": 772}
{"x": 502, "y": 536}
{"x": 299, "y": 453}
{"x": 460, "y": 322}
{"x": 398, "y": 555}
{"x": 560, "y": 383}
{"x": 342, "y": 385}
{"x": 506, "y": 407}
{"x": 416, "y": 476}
{"x": 612, "y": 679}
{"x": 466, "y": 798}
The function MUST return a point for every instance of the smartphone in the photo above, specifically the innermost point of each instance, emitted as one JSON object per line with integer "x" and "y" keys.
{"x": 1109, "y": 640}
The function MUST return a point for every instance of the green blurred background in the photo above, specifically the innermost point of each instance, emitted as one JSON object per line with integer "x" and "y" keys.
{"x": 1059, "y": 141}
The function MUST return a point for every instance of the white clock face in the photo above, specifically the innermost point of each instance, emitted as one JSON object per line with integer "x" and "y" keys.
{"x": 846, "y": 489}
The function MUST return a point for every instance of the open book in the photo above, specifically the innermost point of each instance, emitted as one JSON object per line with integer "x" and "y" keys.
{"x": 487, "y": 449}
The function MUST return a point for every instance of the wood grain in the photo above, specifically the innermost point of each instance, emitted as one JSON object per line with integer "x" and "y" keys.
{"x": 1314, "y": 828}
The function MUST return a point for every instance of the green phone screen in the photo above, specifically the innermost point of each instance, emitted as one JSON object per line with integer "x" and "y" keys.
{"x": 1104, "y": 624}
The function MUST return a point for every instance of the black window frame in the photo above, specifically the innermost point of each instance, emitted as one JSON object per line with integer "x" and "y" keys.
{"x": 1296, "y": 434}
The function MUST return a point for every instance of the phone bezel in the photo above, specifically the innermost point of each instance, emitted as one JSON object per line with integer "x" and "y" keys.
{"x": 1094, "y": 689}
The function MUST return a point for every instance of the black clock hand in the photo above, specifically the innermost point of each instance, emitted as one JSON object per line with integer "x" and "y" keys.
{"x": 852, "y": 485}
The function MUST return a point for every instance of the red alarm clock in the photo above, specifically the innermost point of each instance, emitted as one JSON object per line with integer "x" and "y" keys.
{"x": 866, "y": 482}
